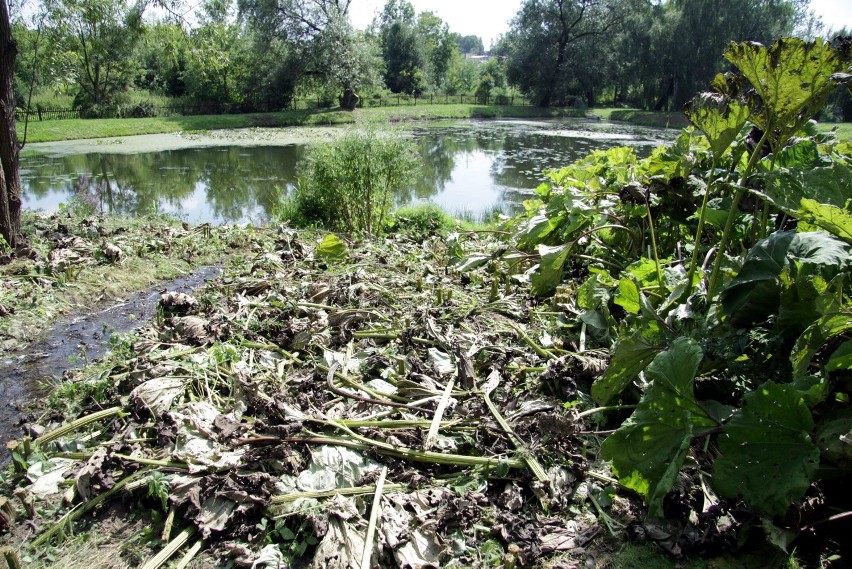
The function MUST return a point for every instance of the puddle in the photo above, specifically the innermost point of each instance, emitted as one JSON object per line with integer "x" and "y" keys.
{"x": 20, "y": 376}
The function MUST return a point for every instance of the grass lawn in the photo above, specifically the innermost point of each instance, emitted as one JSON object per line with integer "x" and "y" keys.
{"x": 644, "y": 118}
{"x": 51, "y": 131}
{"x": 678, "y": 120}
{"x": 844, "y": 129}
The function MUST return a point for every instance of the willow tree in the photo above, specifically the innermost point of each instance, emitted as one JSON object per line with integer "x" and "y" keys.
{"x": 10, "y": 179}
{"x": 324, "y": 47}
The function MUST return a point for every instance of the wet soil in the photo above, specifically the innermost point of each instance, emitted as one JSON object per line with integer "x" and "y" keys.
{"x": 78, "y": 338}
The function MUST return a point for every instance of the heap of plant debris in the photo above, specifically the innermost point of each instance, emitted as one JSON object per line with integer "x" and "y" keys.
{"x": 343, "y": 404}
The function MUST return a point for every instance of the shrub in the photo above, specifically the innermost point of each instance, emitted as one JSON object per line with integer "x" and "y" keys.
{"x": 420, "y": 221}
{"x": 144, "y": 109}
{"x": 349, "y": 185}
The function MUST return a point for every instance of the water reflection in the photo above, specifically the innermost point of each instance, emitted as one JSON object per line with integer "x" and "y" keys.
{"x": 472, "y": 167}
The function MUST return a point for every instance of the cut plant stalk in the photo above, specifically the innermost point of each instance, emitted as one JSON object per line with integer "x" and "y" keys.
{"x": 531, "y": 343}
{"x": 11, "y": 557}
{"x": 364, "y": 443}
{"x": 162, "y": 463}
{"x": 77, "y": 424}
{"x": 353, "y": 491}
{"x": 374, "y": 518}
{"x": 432, "y": 435}
{"x": 190, "y": 554}
{"x": 533, "y": 464}
{"x": 69, "y": 517}
{"x": 169, "y": 551}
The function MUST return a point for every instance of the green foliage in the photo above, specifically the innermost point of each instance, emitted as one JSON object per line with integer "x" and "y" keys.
{"x": 792, "y": 79}
{"x": 349, "y": 185}
{"x": 768, "y": 439}
{"x": 99, "y": 37}
{"x": 648, "y": 450}
{"x": 720, "y": 118}
{"x": 331, "y": 248}
{"x": 752, "y": 358}
{"x": 420, "y": 221}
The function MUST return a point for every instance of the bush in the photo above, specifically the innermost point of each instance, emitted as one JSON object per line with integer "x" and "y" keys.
{"x": 420, "y": 221}
{"x": 349, "y": 185}
{"x": 144, "y": 109}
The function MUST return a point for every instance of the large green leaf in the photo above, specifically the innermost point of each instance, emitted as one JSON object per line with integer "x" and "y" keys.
{"x": 628, "y": 296}
{"x": 834, "y": 437}
{"x": 536, "y": 230}
{"x": 841, "y": 358}
{"x": 803, "y": 154}
{"x": 766, "y": 452}
{"x": 549, "y": 273}
{"x": 815, "y": 337}
{"x": 833, "y": 219}
{"x": 820, "y": 196}
{"x": 821, "y": 253}
{"x": 648, "y": 450}
{"x": 331, "y": 248}
{"x": 719, "y": 117}
{"x": 785, "y": 188}
{"x": 629, "y": 357}
{"x": 792, "y": 79}
{"x": 755, "y": 291}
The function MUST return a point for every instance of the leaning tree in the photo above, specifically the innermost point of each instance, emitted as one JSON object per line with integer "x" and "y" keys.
{"x": 10, "y": 179}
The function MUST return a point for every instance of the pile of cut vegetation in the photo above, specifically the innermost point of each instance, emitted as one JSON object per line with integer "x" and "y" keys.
{"x": 272, "y": 415}
{"x": 346, "y": 405}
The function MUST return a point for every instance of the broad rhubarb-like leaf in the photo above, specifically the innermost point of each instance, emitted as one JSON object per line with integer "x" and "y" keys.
{"x": 766, "y": 453}
{"x": 648, "y": 450}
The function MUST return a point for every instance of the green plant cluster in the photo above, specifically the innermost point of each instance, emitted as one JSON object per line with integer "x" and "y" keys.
{"x": 349, "y": 185}
{"x": 716, "y": 271}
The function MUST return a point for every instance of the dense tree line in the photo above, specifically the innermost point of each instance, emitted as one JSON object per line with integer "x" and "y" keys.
{"x": 256, "y": 53}
{"x": 647, "y": 54}
{"x": 244, "y": 53}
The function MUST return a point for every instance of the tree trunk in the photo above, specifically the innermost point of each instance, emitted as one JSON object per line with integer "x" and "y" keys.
{"x": 10, "y": 180}
{"x": 349, "y": 100}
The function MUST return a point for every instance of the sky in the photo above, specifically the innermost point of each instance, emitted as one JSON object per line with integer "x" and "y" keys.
{"x": 489, "y": 18}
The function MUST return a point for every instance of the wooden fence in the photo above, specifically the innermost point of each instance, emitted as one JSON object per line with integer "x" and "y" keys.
{"x": 299, "y": 103}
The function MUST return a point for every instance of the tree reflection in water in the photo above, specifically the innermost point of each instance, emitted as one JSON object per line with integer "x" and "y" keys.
{"x": 469, "y": 167}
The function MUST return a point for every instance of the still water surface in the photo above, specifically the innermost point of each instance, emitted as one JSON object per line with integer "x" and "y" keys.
{"x": 469, "y": 167}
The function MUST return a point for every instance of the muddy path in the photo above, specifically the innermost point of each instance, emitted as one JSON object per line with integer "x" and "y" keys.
{"x": 22, "y": 377}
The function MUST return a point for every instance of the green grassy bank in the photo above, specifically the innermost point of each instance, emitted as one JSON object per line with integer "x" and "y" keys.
{"x": 678, "y": 120}
{"x": 56, "y": 130}
{"x": 51, "y": 131}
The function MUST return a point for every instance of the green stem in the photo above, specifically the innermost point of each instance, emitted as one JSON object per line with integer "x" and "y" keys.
{"x": 76, "y": 424}
{"x": 604, "y": 409}
{"x": 428, "y": 456}
{"x": 702, "y": 216}
{"x": 531, "y": 343}
{"x": 654, "y": 242}
{"x": 85, "y": 507}
{"x": 732, "y": 215}
{"x": 353, "y": 491}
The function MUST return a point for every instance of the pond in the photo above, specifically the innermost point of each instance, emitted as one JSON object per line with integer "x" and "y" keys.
{"x": 470, "y": 168}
